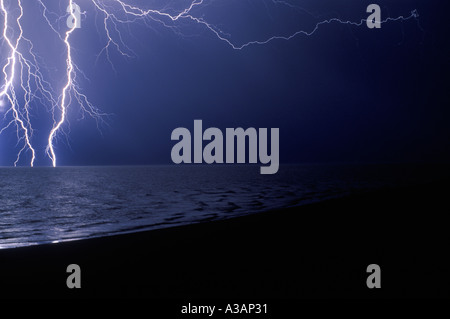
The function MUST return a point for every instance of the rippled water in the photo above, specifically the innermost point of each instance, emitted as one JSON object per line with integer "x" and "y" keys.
{"x": 43, "y": 205}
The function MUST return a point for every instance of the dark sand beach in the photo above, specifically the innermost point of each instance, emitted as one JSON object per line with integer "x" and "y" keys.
{"x": 319, "y": 250}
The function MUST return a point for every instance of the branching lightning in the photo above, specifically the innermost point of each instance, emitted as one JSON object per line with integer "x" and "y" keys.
{"x": 20, "y": 118}
{"x": 23, "y": 84}
{"x": 66, "y": 88}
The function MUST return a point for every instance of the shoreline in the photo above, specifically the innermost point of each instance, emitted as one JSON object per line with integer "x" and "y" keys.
{"x": 318, "y": 250}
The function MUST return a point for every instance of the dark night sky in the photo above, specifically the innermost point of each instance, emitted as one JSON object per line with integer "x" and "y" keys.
{"x": 345, "y": 94}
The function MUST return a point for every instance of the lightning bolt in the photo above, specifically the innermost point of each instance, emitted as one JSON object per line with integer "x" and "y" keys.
{"x": 157, "y": 15}
{"x": 71, "y": 88}
{"x": 22, "y": 122}
{"x": 67, "y": 87}
{"x": 22, "y": 72}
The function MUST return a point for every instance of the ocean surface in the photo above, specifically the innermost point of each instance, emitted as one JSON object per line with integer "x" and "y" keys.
{"x": 50, "y": 205}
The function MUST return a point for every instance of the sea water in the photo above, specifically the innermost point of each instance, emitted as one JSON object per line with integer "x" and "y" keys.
{"x": 49, "y": 205}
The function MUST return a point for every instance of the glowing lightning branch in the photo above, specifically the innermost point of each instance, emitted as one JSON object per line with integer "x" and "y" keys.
{"x": 156, "y": 15}
{"x": 8, "y": 87}
{"x": 71, "y": 88}
{"x": 24, "y": 83}
{"x": 65, "y": 90}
